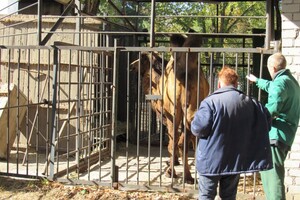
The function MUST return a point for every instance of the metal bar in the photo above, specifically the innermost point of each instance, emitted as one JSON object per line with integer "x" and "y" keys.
{"x": 169, "y": 16}
{"x": 127, "y": 115}
{"x": 69, "y": 108}
{"x": 27, "y": 110}
{"x": 150, "y": 97}
{"x": 114, "y": 115}
{"x": 89, "y": 93}
{"x": 211, "y": 76}
{"x": 248, "y": 72}
{"x": 198, "y": 105}
{"x": 185, "y": 141}
{"x": 150, "y": 118}
{"x": 138, "y": 121}
{"x": 260, "y": 73}
{"x": 174, "y": 123}
{"x": 8, "y": 111}
{"x": 162, "y": 33}
{"x": 78, "y": 24}
{"x": 18, "y": 112}
{"x": 17, "y": 24}
{"x": 161, "y": 121}
{"x": 269, "y": 23}
{"x": 58, "y": 23}
{"x": 152, "y": 24}
{"x": 101, "y": 117}
{"x": 254, "y": 184}
{"x": 57, "y": 142}
{"x": 48, "y": 131}
{"x": 54, "y": 125}
{"x": 39, "y": 22}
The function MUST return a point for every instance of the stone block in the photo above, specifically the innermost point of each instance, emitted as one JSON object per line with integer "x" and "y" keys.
{"x": 12, "y": 112}
{"x": 292, "y": 163}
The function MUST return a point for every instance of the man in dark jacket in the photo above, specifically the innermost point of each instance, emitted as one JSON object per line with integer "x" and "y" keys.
{"x": 233, "y": 131}
{"x": 284, "y": 106}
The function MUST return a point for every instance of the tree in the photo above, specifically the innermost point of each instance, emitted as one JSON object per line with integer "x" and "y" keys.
{"x": 226, "y": 17}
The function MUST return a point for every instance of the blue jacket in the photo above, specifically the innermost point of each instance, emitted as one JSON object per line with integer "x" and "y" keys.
{"x": 233, "y": 130}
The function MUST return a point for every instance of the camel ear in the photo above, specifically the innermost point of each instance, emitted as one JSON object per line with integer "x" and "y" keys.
{"x": 134, "y": 65}
{"x": 134, "y": 62}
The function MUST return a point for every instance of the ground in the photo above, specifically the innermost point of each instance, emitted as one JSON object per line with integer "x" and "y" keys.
{"x": 12, "y": 188}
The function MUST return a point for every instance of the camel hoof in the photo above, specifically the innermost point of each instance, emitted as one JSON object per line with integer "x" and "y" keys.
{"x": 189, "y": 180}
{"x": 169, "y": 174}
{"x": 176, "y": 163}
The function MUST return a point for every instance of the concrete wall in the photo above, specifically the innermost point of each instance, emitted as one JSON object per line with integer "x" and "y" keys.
{"x": 291, "y": 49}
{"x": 31, "y": 70}
{"x": 21, "y": 30}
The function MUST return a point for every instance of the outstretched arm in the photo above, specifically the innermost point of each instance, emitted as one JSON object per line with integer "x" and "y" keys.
{"x": 260, "y": 83}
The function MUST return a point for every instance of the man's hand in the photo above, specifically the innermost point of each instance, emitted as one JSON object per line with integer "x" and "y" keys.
{"x": 251, "y": 78}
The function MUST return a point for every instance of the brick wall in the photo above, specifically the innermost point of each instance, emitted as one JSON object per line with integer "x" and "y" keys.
{"x": 291, "y": 49}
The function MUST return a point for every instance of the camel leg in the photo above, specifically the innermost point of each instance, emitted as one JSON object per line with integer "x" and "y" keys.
{"x": 176, "y": 156}
{"x": 173, "y": 144}
{"x": 188, "y": 177}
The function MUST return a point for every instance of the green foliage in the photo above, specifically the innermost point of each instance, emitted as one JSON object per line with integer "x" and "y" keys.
{"x": 201, "y": 16}
{"x": 226, "y": 17}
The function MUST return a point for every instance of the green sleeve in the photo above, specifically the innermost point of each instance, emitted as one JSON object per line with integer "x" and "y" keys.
{"x": 263, "y": 84}
{"x": 276, "y": 95}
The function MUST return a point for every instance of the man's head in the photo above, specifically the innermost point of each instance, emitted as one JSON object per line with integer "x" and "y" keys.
{"x": 227, "y": 77}
{"x": 276, "y": 62}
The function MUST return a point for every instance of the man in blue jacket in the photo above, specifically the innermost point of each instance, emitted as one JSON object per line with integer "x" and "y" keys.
{"x": 284, "y": 106}
{"x": 233, "y": 138}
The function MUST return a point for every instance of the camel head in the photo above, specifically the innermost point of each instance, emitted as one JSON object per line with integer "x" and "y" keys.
{"x": 191, "y": 64}
{"x": 148, "y": 72}
{"x": 145, "y": 60}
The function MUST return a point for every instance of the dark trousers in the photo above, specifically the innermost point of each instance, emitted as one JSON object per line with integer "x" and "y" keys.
{"x": 227, "y": 189}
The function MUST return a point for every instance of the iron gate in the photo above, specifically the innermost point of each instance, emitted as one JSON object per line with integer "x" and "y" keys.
{"x": 66, "y": 112}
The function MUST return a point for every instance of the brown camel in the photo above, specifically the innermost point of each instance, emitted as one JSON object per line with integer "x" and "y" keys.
{"x": 179, "y": 97}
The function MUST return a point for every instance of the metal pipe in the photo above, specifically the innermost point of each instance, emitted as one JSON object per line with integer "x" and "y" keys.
{"x": 174, "y": 123}
{"x": 54, "y": 125}
{"x": 152, "y": 27}
{"x": 138, "y": 121}
{"x": 269, "y": 23}
{"x": 260, "y": 73}
{"x": 39, "y": 22}
{"x": 114, "y": 114}
{"x": 127, "y": 115}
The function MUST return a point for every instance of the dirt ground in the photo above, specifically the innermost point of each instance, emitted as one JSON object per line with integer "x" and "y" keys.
{"x": 12, "y": 188}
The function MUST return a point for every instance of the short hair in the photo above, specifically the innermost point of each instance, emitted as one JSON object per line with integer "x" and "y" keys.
{"x": 228, "y": 76}
{"x": 277, "y": 60}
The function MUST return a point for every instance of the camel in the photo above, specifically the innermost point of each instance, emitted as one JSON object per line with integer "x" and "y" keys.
{"x": 179, "y": 100}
